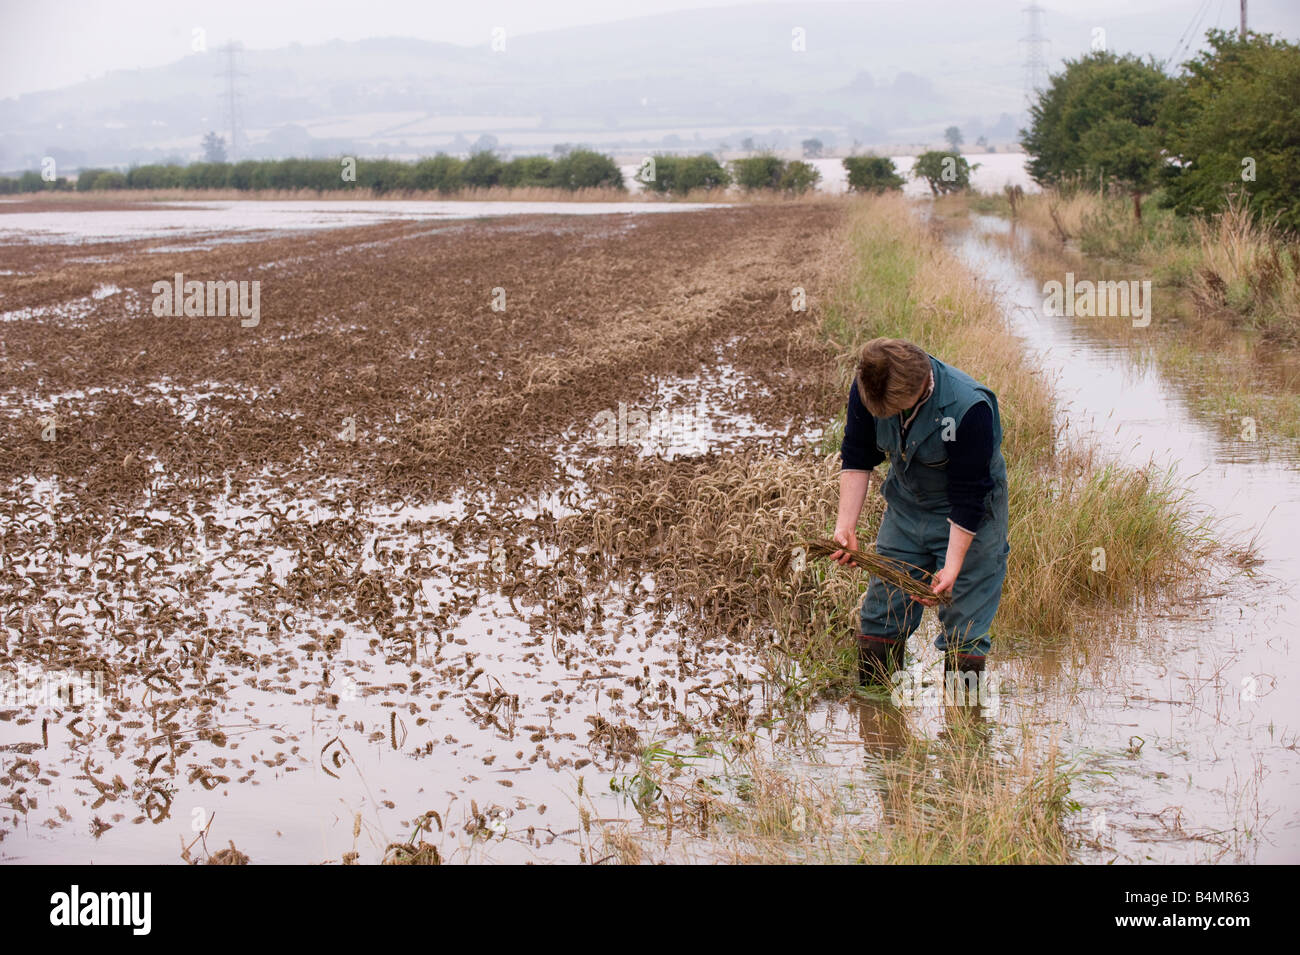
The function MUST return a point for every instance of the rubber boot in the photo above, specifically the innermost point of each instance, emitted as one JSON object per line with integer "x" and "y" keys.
{"x": 879, "y": 658}
{"x": 963, "y": 677}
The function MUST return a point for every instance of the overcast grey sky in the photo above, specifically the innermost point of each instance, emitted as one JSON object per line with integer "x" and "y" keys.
{"x": 45, "y": 45}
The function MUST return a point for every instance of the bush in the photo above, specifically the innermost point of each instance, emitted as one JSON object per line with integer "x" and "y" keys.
{"x": 442, "y": 173}
{"x": 528, "y": 171}
{"x": 482, "y": 170}
{"x": 758, "y": 172}
{"x": 944, "y": 171}
{"x": 584, "y": 169}
{"x": 681, "y": 174}
{"x": 873, "y": 174}
{"x": 766, "y": 171}
{"x": 155, "y": 177}
{"x": 242, "y": 173}
{"x": 110, "y": 180}
{"x": 384, "y": 175}
{"x": 798, "y": 177}
{"x": 205, "y": 175}
{"x": 86, "y": 179}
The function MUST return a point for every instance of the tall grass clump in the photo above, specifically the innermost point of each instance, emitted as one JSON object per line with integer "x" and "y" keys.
{"x": 951, "y": 802}
{"x": 1237, "y": 267}
{"x": 1250, "y": 270}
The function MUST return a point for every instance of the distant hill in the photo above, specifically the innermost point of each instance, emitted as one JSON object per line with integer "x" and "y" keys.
{"x": 874, "y": 73}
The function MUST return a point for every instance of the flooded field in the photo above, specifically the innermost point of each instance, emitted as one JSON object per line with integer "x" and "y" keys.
{"x": 200, "y": 224}
{"x": 348, "y": 585}
{"x": 309, "y": 587}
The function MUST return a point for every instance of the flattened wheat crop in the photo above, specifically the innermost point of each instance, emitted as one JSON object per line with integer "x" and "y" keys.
{"x": 361, "y": 521}
{"x": 896, "y": 573}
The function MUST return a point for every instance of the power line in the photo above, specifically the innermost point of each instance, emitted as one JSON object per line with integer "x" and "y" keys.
{"x": 1193, "y": 28}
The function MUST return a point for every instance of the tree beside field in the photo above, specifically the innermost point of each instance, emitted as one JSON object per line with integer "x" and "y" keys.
{"x": 873, "y": 174}
{"x": 1096, "y": 123}
{"x": 1233, "y": 125}
{"x": 1228, "y": 123}
{"x": 943, "y": 171}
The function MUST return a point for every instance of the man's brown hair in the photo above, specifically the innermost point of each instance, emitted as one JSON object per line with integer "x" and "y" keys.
{"x": 891, "y": 371}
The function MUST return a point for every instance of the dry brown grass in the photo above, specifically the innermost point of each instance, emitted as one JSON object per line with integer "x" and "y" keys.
{"x": 1248, "y": 268}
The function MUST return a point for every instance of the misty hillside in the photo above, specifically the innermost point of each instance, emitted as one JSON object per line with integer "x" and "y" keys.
{"x": 873, "y": 74}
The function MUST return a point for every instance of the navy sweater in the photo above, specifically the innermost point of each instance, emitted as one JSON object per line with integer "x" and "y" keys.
{"x": 969, "y": 477}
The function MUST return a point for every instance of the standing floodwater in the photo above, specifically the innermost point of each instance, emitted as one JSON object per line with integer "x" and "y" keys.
{"x": 1196, "y": 723}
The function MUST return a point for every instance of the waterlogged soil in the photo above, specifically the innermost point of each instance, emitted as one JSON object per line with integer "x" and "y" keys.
{"x": 309, "y": 586}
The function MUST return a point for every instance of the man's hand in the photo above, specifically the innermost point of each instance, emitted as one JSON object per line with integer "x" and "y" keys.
{"x": 944, "y": 578}
{"x": 845, "y": 537}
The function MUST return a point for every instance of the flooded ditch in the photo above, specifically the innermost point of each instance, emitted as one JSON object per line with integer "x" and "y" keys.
{"x": 1192, "y": 719}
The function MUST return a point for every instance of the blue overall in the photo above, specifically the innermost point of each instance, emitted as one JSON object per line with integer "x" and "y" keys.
{"x": 915, "y": 527}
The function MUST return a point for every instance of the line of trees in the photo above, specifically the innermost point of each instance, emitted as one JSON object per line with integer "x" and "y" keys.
{"x": 681, "y": 175}
{"x": 578, "y": 169}
{"x": 1227, "y": 123}
{"x": 943, "y": 171}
